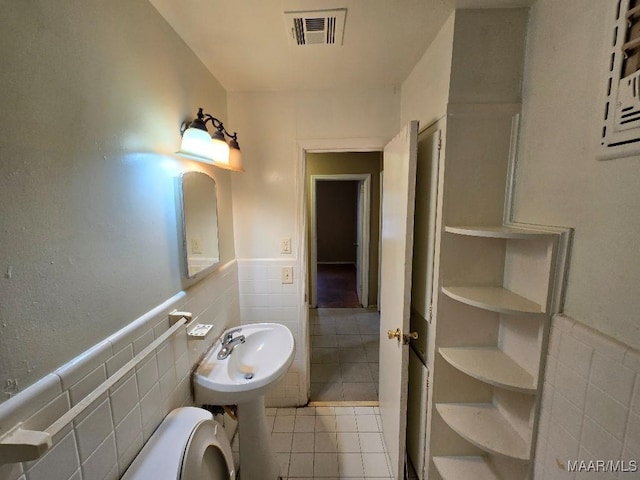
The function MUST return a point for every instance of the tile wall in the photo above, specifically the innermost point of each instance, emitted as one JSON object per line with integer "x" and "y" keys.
{"x": 590, "y": 406}
{"x": 102, "y": 442}
{"x": 264, "y": 298}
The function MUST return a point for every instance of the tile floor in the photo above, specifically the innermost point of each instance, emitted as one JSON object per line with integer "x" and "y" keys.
{"x": 344, "y": 354}
{"x": 328, "y": 443}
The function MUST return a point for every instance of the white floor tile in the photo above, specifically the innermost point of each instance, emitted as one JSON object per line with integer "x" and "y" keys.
{"x": 326, "y": 442}
{"x": 283, "y": 424}
{"x": 305, "y": 411}
{"x": 282, "y": 442}
{"x": 323, "y": 411}
{"x": 344, "y": 411}
{"x": 350, "y": 465}
{"x": 285, "y": 412}
{"x": 301, "y": 465}
{"x": 325, "y": 465}
{"x": 348, "y": 442}
{"x": 303, "y": 443}
{"x": 375, "y": 465}
{"x": 346, "y": 423}
{"x": 304, "y": 424}
{"x": 371, "y": 442}
{"x": 283, "y": 461}
{"x": 325, "y": 423}
{"x": 367, "y": 423}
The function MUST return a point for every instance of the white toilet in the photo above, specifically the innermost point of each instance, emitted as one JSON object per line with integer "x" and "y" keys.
{"x": 188, "y": 445}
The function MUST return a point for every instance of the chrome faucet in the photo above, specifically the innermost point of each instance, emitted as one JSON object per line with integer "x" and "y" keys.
{"x": 229, "y": 342}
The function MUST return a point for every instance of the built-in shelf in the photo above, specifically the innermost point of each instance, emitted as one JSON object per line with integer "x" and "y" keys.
{"x": 500, "y": 231}
{"x": 490, "y": 365}
{"x": 483, "y": 425}
{"x": 456, "y": 468}
{"x": 495, "y": 299}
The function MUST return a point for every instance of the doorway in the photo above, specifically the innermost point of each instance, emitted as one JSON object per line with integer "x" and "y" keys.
{"x": 343, "y": 241}
{"x": 340, "y": 239}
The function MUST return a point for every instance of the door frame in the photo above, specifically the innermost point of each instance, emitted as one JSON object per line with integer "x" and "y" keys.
{"x": 304, "y": 146}
{"x": 364, "y": 232}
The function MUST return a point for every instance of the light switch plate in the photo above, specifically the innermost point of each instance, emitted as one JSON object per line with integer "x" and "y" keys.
{"x": 285, "y": 245}
{"x": 287, "y": 274}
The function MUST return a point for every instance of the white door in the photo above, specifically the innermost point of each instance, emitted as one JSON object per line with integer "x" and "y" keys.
{"x": 398, "y": 204}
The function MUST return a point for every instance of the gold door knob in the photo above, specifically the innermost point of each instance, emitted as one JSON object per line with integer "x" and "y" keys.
{"x": 397, "y": 334}
{"x": 394, "y": 334}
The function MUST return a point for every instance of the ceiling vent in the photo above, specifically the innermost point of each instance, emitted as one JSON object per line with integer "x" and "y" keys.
{"x": 316, "y": 27}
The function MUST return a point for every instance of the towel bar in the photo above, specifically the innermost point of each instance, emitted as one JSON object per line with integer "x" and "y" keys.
{"x": 21, "y": 445}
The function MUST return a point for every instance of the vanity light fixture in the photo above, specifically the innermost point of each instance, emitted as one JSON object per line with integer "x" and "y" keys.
{"x": 197, "y": 144}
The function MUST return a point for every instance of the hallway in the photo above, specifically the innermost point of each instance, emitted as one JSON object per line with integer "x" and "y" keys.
{"x": 344, "y": 354}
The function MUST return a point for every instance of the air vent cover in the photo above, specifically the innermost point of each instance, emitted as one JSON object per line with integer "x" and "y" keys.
{"x": 620, "y": 133}
{"x": 316, "y": 27}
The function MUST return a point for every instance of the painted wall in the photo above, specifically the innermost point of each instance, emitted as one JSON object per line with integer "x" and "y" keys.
{"x": 559, "y": 179}
{"x": 267, "y": 198}
{"x": 425, "y": 91}
{"x": 337, "y": 208}
{"x": 591, "y": 399}
{"x": 354, "y": 162}
{"x": 93, "y": 95}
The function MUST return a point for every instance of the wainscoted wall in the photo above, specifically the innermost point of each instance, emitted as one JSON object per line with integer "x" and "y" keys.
{"x": 591, "y": 403}
{"x": 103, "y": 441}
{"x": 264, "y": 298}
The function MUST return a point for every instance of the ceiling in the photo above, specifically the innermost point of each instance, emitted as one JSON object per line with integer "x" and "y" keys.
{"x": 245, "y": 44}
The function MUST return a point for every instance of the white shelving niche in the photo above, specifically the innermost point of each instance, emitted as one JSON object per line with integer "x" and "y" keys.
{"x": 500, "y": 286}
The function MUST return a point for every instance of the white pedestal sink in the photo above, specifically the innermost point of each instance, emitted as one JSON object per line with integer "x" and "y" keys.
{"x": 242, "y": 379}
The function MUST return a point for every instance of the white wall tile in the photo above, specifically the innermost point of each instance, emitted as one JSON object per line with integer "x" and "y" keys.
{"x": 594, "y": 412}
{"x": 632, "y": 440}
{"x": 635, "y": 400}
{"x": 575, "y": 355}
{"x": 93, "y": 429}
{"x": 81, "y": 366}
{"x": 102, "y": 461}
{"x": 128, "y": 430}
{"x": 110, "y": 433}
{"x": 11, "y": 471}
{"x": 604, "y": 345}
{"x": 29, "y": 401}
{"x": 87, "y": 385}
{"x": 597, "y": 440}
{"x": 47, "y": 415}
{"x": 571, "y": 385}
{"x": 147, "y": 375}
{"x": 613, "y": 378}
{"x": 124, "y": 398}
{"x": 610, "y": 414}
{"x": 59, "y": 463}
{"x": 119, "y": 360}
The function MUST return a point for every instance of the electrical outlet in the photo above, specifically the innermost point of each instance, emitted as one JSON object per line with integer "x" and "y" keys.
{"x": 195, "y": 246}
{"x": 287, "y": 274}
{"x": 285, "y": 245}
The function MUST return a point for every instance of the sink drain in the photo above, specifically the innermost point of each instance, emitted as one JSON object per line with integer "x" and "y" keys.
{"x": 248, "y": 376}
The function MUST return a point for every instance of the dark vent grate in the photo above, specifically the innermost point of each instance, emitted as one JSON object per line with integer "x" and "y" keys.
{"x": 299, "y": 30}
{"x": 331, "y": 30}
{"x": 314, "y": 24}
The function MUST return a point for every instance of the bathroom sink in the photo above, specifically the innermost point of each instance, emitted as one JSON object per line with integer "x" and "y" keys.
{"x": 250, "y": 368}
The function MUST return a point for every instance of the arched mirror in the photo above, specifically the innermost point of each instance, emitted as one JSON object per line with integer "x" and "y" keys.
{"x": 200, "y": 222}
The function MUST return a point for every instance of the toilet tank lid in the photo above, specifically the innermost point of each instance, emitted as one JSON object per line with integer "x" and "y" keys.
{"x": 163, "y": 452}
